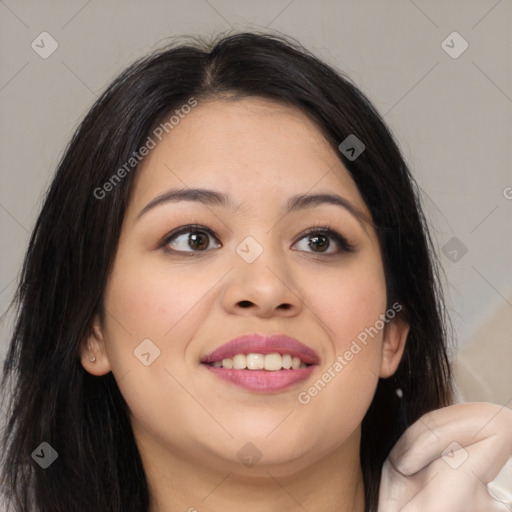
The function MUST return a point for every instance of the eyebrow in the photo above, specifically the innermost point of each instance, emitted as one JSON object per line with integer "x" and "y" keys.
{"x": 215, "y": 198}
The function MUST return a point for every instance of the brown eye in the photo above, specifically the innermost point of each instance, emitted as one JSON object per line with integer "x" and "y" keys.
{"x": 198, "y": 240}
{"x": 189, "y": 239}
{"x": 319, "y": 241}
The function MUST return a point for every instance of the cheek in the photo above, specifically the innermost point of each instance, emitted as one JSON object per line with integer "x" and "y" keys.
{"x": 349, "y": 304}
{"x": 350, "y": 308}
{"x": 148, "y": 301}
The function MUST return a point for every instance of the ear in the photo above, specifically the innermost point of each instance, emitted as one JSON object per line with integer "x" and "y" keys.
{"x": 94, "y": 346}
{"x": 393, "y": 345}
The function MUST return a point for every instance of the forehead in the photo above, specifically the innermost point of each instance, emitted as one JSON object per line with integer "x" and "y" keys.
{"x": 253, "y": 149}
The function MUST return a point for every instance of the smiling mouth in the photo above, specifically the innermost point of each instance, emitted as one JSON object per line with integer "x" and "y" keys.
{"x": 255, "y": 361}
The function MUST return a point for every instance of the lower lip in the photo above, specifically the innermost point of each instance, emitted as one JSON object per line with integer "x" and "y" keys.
{"x": 263, "y": 381}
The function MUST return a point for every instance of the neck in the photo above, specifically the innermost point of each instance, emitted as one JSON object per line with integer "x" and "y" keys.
{"x": 333, "y": 483}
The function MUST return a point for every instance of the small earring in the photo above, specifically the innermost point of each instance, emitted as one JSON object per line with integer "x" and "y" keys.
{"x": 402, "y": 407}
{"x": 93, "y": 359}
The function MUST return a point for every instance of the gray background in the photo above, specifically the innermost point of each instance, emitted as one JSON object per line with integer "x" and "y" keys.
{"x": 452, "y": 117}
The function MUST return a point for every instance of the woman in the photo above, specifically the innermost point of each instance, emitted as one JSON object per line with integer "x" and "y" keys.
{"x": 271, "y": 358}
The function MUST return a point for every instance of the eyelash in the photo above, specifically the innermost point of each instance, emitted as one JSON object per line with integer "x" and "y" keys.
{"x": 344, "y": 245}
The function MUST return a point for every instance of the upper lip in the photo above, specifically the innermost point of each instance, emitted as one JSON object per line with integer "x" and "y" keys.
{"x": 263, "y": 344}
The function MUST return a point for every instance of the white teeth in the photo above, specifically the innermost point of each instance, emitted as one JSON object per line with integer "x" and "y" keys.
{"x": 227, "y": 363}
{"x": 239, "y": 362}
{"x": 273, "y": 362}
{"x": 253, "y": 361}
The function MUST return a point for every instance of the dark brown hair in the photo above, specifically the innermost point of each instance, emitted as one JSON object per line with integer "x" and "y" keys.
{"x": 74, "y": 242}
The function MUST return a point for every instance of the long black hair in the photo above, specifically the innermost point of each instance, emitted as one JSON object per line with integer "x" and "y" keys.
{"x": 83, "y": 417}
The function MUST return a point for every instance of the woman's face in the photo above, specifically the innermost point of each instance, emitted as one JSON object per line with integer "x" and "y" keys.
{"x": 251, "y": 267}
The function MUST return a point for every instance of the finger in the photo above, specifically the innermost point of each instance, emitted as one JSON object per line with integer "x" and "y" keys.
{"x": 436, "y": 489}
{"x": 450, "y": 430}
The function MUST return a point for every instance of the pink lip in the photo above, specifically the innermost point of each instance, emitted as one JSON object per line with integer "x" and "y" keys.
{"x": 261, "y": 344}
{"x": 263, "y": 380}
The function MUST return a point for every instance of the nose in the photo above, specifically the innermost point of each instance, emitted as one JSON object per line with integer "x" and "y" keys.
{"x": 265, "y": 288}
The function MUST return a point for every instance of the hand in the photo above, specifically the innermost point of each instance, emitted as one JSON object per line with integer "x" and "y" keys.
{"x": 444, "y": 461}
